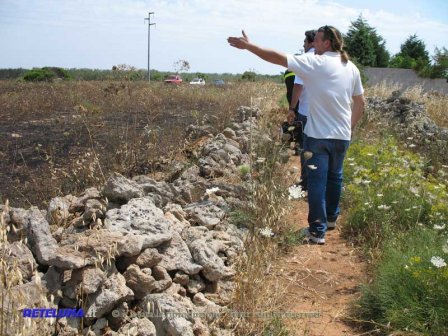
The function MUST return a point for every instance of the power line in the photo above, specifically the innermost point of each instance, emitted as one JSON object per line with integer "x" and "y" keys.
{"x": 149, "y": 42}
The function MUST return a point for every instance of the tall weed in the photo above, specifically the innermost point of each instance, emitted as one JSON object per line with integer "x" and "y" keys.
{"x": 398, "y": 213}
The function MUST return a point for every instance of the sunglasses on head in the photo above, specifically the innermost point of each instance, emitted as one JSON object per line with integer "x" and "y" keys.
{"x": 329, "y": 30}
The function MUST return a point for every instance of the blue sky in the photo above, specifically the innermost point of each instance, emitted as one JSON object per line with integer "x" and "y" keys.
{"x": 103, "y": 33}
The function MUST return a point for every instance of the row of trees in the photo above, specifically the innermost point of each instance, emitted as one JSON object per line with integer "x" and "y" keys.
{"x": 125, "y": 72}
{"x": 368, "y": 48}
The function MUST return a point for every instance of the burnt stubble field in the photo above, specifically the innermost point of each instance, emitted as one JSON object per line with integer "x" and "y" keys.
{"x": 60, "y": 138}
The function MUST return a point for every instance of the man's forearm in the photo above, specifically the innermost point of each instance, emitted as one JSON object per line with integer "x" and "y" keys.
{"x": 357, "y": 109}
{"x": 269, "y": 55}
{"x": 296, "y": 92}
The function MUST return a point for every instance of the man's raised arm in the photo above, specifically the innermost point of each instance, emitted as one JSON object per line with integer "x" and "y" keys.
{"x": 268, "y": 55}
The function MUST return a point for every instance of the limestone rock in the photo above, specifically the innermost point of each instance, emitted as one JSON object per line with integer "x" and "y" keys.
{"x": 148, "y": 258}
{"x": 19, "y": 254}
{"x": 177, "y": 256}
{"x": 78, "y": 203}
{"x": 58, "y": 213}
{"x": 141, "y": 282}
{"x": 120, "y": 189}
{"x": 138, "y": 327}
{"x": 141, "y": 218}
{"x": 84, "y": 281}
{"x": 110, "y": 295}
{"x": 213, "y": 266}
{"x": 162, "y": 304}
{"x": 204, "y": 213}
{"x": 40, "y": 240}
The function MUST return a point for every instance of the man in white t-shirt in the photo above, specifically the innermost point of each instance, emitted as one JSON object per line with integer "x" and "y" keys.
{"x": 332, "y": 83}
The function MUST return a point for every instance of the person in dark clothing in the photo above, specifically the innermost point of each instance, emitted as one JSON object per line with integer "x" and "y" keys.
{"x": 289, "y": 127}
{"x": 289, "y": 83}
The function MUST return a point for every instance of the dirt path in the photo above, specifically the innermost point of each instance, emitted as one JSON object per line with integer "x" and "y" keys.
{"x": 322, "y": 279}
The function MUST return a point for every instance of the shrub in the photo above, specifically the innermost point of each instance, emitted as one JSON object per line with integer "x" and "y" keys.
{"x": 249, "y": 76}
{"x": 46, "y": 74}
{"x": 59, "y": 72}
{"x": 39, "y": 75}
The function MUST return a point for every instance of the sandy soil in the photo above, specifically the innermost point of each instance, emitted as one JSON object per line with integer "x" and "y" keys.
{"x": 319, "y": 279}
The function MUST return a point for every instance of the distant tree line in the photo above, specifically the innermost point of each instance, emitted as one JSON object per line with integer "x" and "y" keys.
{"x": 124, "y": 72}
{"x": 368, "y": 48}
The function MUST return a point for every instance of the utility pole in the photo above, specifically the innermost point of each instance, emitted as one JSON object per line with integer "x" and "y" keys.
{"x": 149, "y": 41}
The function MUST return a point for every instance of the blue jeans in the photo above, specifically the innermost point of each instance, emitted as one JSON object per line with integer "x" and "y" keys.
{"x": 324, "y": 172}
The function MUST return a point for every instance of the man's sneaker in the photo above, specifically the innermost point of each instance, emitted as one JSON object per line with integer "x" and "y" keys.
{"x": 331, "y": 225}
{"x": 311, "y": 239}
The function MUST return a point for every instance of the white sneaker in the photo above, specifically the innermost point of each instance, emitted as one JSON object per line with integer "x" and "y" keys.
{"x": 331, "y": 225}
{"x": 311, "y": 239}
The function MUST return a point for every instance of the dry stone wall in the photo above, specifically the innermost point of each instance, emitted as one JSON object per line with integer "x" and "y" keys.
{"x": 140, "y": 256}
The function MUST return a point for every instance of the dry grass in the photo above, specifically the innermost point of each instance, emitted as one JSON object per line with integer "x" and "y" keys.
{"x": 382, "y": 90}
{"x": 14, "y": 296}
{"x": 60, "y": 138}
{"x": 436, "y": 104}
{"x": 267, "y": 208}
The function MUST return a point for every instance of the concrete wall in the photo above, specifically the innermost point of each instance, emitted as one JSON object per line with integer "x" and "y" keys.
{"x": 405, "y": 78}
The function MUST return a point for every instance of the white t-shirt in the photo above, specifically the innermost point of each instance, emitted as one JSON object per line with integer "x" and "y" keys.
{"x": 303, "y": 106}
{"x": 330, "y": 85}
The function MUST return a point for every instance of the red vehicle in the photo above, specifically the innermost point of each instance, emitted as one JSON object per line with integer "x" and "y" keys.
{"x": 174, "y": 79}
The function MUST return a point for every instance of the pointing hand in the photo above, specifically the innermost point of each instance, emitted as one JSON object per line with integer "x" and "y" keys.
{"x": 239, "y": 42}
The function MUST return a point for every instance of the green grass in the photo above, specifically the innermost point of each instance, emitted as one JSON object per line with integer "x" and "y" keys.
{"x": 410, "y": 292}
{"x": 398, "y": 215}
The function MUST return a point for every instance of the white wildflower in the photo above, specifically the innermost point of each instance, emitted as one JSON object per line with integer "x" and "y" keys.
{"x": 350, "y": 159}
{"x": 211, "y": 190}
{"x": 352, "y": 164}
{"x": 370, "y": 154}
{"x": 412, "y": 146}
{"x": 413, "y": 190}
{"x": 266, "y": 232}
{"x": 379, "y": 195}
{"x": 312, "y": 167}
{"x": 438, "y": 262}
{"x": 439, "y": 227}
{"x": 410, "y": 138}
{"x": 383, "y": 207}
{"x": 296, "y": 192}
{"x": 366, "y": 182}
{"x": 406, "y": 266}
